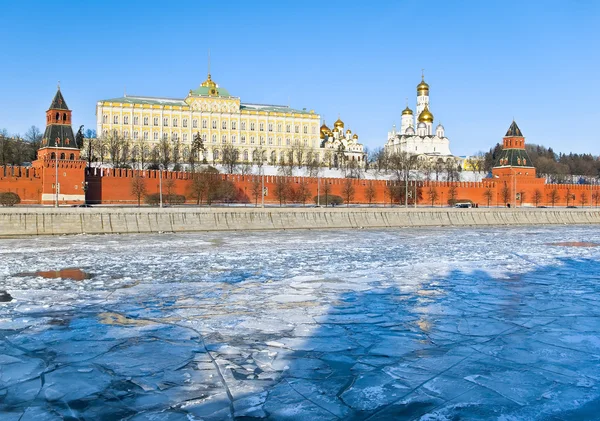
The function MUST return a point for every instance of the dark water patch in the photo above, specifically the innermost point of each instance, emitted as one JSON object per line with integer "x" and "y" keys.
{"x": 74, "y": 274}
{"x": 5, "y": 297}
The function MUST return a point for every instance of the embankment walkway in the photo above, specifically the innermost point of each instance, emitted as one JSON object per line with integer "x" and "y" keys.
{"x": 22, "y": 221}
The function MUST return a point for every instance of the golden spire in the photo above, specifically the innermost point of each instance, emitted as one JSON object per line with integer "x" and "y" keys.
{"x": 208, "y": 83}
{"x": 423, "y": 87}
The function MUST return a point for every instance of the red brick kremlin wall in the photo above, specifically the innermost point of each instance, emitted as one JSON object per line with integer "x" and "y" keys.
{"x": 113, "y": 186}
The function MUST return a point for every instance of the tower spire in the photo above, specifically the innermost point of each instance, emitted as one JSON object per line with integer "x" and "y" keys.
{"x": 58, "y": 85}
{"x": 422, "y": 74}
{"x": 209, "y": 63}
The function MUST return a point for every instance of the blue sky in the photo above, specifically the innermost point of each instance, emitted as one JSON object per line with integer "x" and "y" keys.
{"x": 486, "y": 61}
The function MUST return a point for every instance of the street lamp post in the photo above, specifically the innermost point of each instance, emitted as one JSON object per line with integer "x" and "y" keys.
{"x": 318, "y": 191}
{"x": 160, "y": 198}
{"x": 262, "y": 204}
{"x": 56, "y": 174}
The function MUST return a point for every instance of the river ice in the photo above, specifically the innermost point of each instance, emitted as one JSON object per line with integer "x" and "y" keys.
{"x": 429, "y": 324}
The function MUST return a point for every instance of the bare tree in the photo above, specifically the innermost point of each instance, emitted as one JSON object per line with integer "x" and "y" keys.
{"x": 583, "y": 199}
{"x": 230, "y": 158}
{"x": 326, "y": 192}
{"x": 432, "y": 194}
{"x": 452, "y": 194}
{"x": 176, "y": 155}
{"x": 170, "y": 189}
{"x": 282, "y": 189}
{"x": 118, "y": 150}
{"x": 596, "y": 197}
{"x": 553, "y": 196}
{"x": 348, "y": 190}
{"x": 569, "y": 196}
{"x": 488, "y": 194}
{"x": 370, "y": 192}
{"x": 537, "y": 197}
{"x": 302, "y": 192}
{"x": 138, "y": 188}
{"x": 505, "y": 194}
{"x": 256, "y": 189}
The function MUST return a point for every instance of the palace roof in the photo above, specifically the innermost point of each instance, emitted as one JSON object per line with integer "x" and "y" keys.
{"x": 513, "y": 130}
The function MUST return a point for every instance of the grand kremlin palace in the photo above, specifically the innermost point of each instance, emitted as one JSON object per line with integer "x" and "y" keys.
{"x": 220, "y": 119}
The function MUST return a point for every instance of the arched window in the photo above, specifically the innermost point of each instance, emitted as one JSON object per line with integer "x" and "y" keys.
{"x": 115, "y": 119}
{"x": 214, "y": 125}
{"x": 243, "y": 139}
{"x": 65, "y": 116}
{"x": 57, "y": 116}
{"x": 62, "y": 156}
{"x": 52, "y": 155}
{"x": 232, "y": 138}
{"x": 233, "y": 125}
{"x": 184, "y": 122}
{"x": 245, "y": 155}
{"x": 72, "y": 157}
{"x": 243, "y": 125}
{"x": 251, "y": 126}
{"x": 224, "y": 125}
{"x": 224, "y": 139}
{"x": 175, "y": 122}
{"x": 214, "y": 138}
{"x": 126, "y": 119}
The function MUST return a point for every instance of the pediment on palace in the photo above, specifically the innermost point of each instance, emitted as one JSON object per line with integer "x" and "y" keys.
{"x": 215, "y": 105}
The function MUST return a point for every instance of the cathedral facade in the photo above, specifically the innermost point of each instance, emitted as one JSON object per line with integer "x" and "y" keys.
{"x": 337, "y": 143}
{"x": 417, "y": 135}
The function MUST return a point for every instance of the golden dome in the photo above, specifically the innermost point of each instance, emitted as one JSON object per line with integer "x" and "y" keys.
{"x": 335, "y": 129}
{"x": 324, "y": 128}
{"x": 322, "y": 135}
{"x": 338, "y": 124}
{"x": 355, "y": 136}
{"x": 407, "y": 111}
{"x": 422, "y": 87}
{"x": 208, "y": 83}
{"x": 426, "y": 116}
{"x": 348, "y": 131}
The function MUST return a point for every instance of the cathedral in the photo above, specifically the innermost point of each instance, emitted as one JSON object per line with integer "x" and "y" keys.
{"x": 338, "y": 143}
{"x": 419, "y": 137}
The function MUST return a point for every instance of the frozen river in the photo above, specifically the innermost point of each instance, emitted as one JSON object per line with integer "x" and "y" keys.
{"x": 430, "y": 324}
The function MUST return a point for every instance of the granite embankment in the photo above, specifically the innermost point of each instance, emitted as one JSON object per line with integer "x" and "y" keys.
{"x": 52, "y": 221}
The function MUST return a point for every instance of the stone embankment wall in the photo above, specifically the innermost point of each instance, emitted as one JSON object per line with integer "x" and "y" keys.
{"x": 50, "y": 221}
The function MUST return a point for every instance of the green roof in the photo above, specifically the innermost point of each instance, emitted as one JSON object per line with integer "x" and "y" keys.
{"x": 514, "y": 158}
{"x": 272, "y": 108}
{"x": 205, "y": 91}
{"x": 147, "y": 100}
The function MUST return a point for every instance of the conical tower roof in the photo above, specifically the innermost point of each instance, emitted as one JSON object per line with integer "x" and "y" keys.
{"x": 513, "y": 130}
{"x": 58, "y": 103}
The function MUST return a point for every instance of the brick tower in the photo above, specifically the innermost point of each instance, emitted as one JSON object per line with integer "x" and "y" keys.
{"x": 514, "y": 170}
{"x": 63, "y": 172}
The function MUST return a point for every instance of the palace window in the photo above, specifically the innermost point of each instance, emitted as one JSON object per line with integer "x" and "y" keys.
{"x": 145, "y": 121}
{"x": 243, "y": 124}
{"x": 278, "y": 141}
{"x": 279, "y": 128}
{"x": 288, "y": 128}
{"x": 297, "y": 129}
{"x": 115, "y": 133}
{"x": 175, "y": 137}
{"x": 245, "y": 155}
{"x": 136, "y": 120}
{"x": 234, "y": 125}
{"x": 195, "y": 123}
{"x": 270, "y": 127}
{"x": 214, "y": 138}
{"x": 252, "y": 126}
{"x": 243, "y": 139}
{"x": 270, "y": 141}
{"x": 204, "y": 138}
{"x": 126, "y": 119}
{"x": 305, "y": 128}
{"x": 175, "y": 122}
{"x": 155, "y": 135}
{"x": 145, "y": 135}
{"x": 261, "y": 127}
{"x": 224, "y": 139}
{"x": 104, "y": 119}
{"x": 135, "y": 135}
{"x": 224, "y": 125}
{"x": 252, "y": 140}
{"x": 156, "y": 121}
{"x": 165, "y": 136}
{"x": 204, "y": 123}
{"x": 314, "y": 130}
{"x": 165, "y": 121}
{"x": 288, "y": 142}
{"x": 262, "y": 140}
{"x": 184, "y": 122}
{"x": 305, "y": 143}
{"x": 125, "y": 134}
{"x": 214, "y": 124}
{"x": 185, "y": 137}
{"x": 232, "y": 138}
{"x": 116, "y": 119}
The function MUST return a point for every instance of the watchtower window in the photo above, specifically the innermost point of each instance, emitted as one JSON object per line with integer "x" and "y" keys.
{"x": 57, "y": 116}
{"x": 62, "y": 156}
{"x": 65, "y": 116}
{"x": 52, "y": 155}
{"x": 72, "y": 157}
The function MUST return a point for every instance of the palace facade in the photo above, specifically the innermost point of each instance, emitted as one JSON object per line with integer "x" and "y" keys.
{"x": 218, "y": 118}
{"x": 417, "y": 135}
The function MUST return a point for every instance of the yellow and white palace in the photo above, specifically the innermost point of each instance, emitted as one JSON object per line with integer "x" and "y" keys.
{"x": 219, "y": 118}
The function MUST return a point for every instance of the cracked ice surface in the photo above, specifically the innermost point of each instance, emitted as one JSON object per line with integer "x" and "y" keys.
{"x": 432, "y": 324}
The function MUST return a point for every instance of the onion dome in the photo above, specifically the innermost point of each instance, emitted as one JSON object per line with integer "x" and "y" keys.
{"x": 426, "y": 116}
{"x": 423, "y": 87}
{"x": 335, "y": 129}
{"x": 407, "y": 111}
{"x": 355, "y": 136}
{"x": 338, "y": 124}
{"x": 324, "y": 128}
{"x": 348, "y": 131}
{"x": 439, "y": 126}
